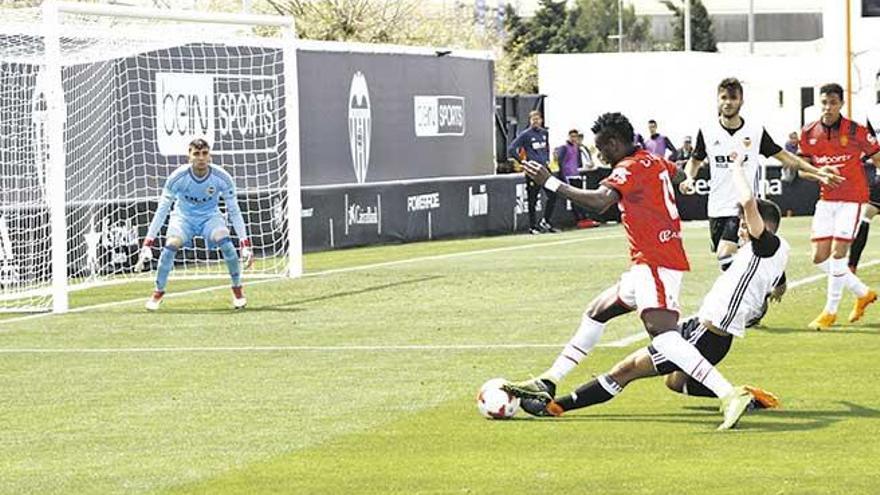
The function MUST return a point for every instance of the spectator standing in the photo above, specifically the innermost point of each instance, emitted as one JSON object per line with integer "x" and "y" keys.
{"x": 791, "y": 145}
{"x": 657, "y": 144}
{"x": 571, "y": 157}
{"x": 684, "y": 153}
{"x": 531, "y": 145}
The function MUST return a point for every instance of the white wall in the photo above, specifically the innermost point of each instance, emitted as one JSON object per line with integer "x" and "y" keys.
{"x": 677, "y": 89}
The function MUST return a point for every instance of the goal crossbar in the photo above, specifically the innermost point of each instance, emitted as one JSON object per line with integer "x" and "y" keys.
{"x": 173, "y": 15}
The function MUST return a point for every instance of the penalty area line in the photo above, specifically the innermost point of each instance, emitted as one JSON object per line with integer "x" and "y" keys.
{"x": 333, "y": 271}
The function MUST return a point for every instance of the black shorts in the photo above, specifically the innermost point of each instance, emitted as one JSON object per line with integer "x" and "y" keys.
{"x": 726, "y": 228}
{"x": 712, "y": 346}
{"x": 874, "y": 197}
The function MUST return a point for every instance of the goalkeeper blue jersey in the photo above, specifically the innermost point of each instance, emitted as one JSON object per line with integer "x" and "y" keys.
{"x": 198, "y": 199}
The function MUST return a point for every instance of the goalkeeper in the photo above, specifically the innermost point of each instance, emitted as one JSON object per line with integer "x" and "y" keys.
{"x": 195, "y": 190}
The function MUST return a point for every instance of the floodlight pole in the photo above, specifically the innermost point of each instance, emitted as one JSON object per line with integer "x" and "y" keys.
{"x": 848, "y": 60}
{"x": 751, "y": 27}
{"x": 687, "y": 25}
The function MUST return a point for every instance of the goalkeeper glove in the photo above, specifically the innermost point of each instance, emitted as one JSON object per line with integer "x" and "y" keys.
{"x": 247, "y": 254}
{"x": 145, "y": 255}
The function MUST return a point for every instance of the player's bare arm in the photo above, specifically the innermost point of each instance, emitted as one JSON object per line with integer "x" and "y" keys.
{"x": 827, "y": 175}
{"x": 751, "y": 216}
{"x": 690, "y": 173}
{"x": 597, "y": 200}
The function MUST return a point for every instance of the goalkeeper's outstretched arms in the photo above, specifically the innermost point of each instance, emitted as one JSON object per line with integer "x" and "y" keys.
{"x": 165, "y": 202}
{"x": 234, "y": 212}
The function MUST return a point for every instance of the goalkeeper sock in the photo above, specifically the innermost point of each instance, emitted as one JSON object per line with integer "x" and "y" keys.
{"x": 166, "y": 263}
{"x": 231, "y": 258}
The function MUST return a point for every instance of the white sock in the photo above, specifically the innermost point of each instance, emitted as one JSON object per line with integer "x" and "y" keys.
{"x": 850, "y": 280}
{"x": 684, "y": 355}
{"x": 583, "y": 341}
{"x": 824, "y": 267}
{"x": 836, "y": 281}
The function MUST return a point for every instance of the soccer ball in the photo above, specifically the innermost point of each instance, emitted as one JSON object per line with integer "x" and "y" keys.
{"x": 495, "y": 403}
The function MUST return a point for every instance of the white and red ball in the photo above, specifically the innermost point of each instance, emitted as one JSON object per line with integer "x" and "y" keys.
{"x": 495, "y": 403}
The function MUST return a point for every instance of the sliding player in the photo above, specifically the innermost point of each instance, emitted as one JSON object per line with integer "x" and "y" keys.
{"x": 640, "y": 183}
{"x": 757, "y": 268}
{"x": 195, "y": 191}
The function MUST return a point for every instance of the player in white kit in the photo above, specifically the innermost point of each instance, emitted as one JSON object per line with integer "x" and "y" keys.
{"x": 736, "y": 296}
{"x": 717, "y": 142}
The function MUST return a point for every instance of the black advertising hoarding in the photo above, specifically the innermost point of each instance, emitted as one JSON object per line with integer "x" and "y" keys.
{"x": 870, "y": 8}
{"x": 373, "y": 117}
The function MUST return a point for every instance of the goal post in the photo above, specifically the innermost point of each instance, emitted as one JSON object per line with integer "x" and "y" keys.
{"x": 101, "y": 102}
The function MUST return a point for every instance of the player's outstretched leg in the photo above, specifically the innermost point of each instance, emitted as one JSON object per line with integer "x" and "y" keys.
{"x": 601, "y": 309}
{"x": 230, "y": 256}
{"x": 661, "y": 325}
{"x": 166, "y": 264}
{"x": 606, "y": 387}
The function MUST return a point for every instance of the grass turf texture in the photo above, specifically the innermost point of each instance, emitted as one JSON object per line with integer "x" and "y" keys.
{"x": 400, "y": 420}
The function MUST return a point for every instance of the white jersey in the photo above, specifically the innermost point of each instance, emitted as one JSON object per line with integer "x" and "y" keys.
{"x": 720, "y": 143}
{"x": 740, "y": 291}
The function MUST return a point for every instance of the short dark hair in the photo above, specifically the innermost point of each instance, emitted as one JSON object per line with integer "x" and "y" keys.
{"x": 730, "y": 85}
{"x": 831, "y": 89}
{"x": 199, "y": 144}
{"x": 573, "y": 131}
{"x": 535, "y": 112}
{"x": 770, "y": 213}
{"x": 614, "y": 124}
{"x": 652, "y": 121}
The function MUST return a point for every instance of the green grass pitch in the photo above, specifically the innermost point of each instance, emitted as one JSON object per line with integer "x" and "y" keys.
{"x": 361, "y": 376}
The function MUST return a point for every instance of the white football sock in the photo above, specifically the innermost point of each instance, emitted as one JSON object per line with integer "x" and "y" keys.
{"x": 850, "y": 280}
{"x": 684, "y": 355}
{"x": 836, "y": 281}
{"x": 824, "y": 266}
{"x": 583, "y": 341}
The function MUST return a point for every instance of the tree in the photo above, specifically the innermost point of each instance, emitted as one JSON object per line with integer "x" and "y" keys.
{"x": 702, "y": 31}
{"x": 598, "y": 22}
{"x": 555, "y": 28}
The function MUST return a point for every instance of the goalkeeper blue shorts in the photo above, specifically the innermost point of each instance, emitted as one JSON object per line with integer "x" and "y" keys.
{"x": 186, "y": 228}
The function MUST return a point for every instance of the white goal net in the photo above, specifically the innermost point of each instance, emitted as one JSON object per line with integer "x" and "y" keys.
{"x": 112, "y": 97}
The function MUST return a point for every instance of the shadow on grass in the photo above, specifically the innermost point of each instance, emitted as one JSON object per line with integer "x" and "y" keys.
{"x": 839, "y": 329}
{"x": 767, "y": 421}
{"x": 293, "y": 306}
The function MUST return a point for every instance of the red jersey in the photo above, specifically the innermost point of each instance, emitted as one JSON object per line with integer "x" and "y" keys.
{"x": 648, "y": 211}
{"x": 841, "y": 146}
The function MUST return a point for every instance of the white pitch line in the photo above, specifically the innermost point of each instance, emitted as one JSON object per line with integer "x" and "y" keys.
{"x": 621, "y": 342}
{"x": 332, "y": 271}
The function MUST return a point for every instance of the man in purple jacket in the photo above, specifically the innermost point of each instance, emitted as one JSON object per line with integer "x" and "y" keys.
{"x": 570, "y": 158}
{"x": 656, "y": 143}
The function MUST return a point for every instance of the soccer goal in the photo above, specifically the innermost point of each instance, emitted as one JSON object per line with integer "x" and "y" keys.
{"x": 97, "y": 106}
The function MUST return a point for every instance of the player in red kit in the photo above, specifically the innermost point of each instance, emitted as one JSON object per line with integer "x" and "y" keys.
{"x": 837, "y": 142}
{"x": 641, "y": 185}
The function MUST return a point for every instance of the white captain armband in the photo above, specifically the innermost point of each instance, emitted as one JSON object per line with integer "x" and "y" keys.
{"x": 552, "y": 184}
